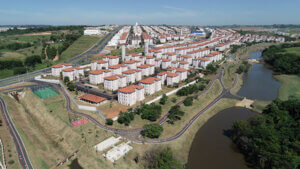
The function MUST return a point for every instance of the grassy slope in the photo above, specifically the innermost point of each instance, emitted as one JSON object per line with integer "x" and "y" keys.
{"x": 79, "y": 46}
{"x": 290, "y": 86}
{"x": 47, "y": 134}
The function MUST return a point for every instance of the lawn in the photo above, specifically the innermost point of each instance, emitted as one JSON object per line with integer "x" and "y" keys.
{"x": 79, "y": 46}
{"x": 290, "y": 86}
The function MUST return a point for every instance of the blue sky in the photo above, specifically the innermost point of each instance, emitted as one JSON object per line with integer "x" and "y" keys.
{"x": 194, "y": 12}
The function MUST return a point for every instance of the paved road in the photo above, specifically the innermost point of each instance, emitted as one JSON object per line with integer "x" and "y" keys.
{"x": 22, "y": 154}
{"x": 98, "y": 47}
{"x": 131, "y": 134}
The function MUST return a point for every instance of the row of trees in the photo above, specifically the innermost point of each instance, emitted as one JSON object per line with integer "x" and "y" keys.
{"x": 271, "y": 140}
{"x": 282, "y": 61}
{"x": 198, "y": 86}
{"x": 35, "y": 29}
{"x": 15, "y": 46}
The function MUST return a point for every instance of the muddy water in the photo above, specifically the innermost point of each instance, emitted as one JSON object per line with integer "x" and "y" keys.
{"x": 212, "y": 147}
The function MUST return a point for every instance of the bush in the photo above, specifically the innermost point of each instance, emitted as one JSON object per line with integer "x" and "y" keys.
{"x": 188, "y": 101}
{"x": 66, "y": 79}
{"x": 174, "y": 99}
{"x": 109, "y": 122}
{"x": 150, "y": 112}
{"x": 152, "y": 130}
{"x": 19, "y": 70}
{"x": 11, "y": 162}
{"x": 71, "y": 86}
{"x": 163, "y": 99}
{"x": 175, "y": 114}
{"x": 162, "y": 159}
{"x": 125, "y": 117}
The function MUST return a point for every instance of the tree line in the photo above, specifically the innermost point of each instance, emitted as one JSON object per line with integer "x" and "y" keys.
{"x": 271, "y": 140}
{"x": 15, "y": 46}
{"x": 20, "y": 67}
{"x": 280, "y": 60}
{"x": 16, "y": 31}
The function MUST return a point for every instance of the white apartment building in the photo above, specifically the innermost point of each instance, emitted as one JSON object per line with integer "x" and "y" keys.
{"x": 114, "y": 82}
{"x": 182, "y": 73}
{"x": 56, "y": 69}
{"x": 151, "y": 85}
{"x": 112, "y": 60}
{"x": 99, "y": 64}
{"x": 166, "y": 63}
{"x": 168, "y": 78}
{"x": 131, "y": 94}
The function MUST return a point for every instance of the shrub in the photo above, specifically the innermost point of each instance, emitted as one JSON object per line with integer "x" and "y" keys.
{"x": 109, "y": 122}
{"x": 188, "y": 101}
{"x": 152, "y": 130}
{"x": 163, "y": 99}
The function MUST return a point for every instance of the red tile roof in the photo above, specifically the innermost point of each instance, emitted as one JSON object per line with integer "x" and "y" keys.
{"x": 96, "y": 72}
{"x": 130, "y": 89}
{"x": 68, "y": 69}
{"x": 181, "y": 70}
{"x": 149, "y": 80}
{"x": 92, "y": 98}
{"x": 57, "y": 66}
{"x": 170, "y": 74}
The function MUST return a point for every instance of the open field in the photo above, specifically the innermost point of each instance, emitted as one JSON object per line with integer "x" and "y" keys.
{"x": 79, "y": 46}
{"x": 290, "y": 86}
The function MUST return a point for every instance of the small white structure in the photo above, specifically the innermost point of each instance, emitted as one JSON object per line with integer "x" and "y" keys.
{"x": 118, "y": 152}
{"x": 111, "y": 141}
{"x": 92, "y": 31}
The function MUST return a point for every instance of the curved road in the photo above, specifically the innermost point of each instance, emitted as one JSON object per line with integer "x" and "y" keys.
{"x": 22, "y": 153}
{"x": 130, "y": 134}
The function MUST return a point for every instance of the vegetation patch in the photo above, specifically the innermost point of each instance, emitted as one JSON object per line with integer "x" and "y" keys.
{"x": 271, "y": 140}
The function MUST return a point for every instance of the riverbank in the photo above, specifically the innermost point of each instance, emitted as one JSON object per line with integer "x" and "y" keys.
{"x": 290, "y": 86}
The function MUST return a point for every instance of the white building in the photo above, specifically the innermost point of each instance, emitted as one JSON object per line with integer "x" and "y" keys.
{"x": 113, "y": 82}
{"x": 151, "y": 85}
{"x": 131, "y": 94}
{"x": 56, "y": 69}
{"x": 92, "y": 31}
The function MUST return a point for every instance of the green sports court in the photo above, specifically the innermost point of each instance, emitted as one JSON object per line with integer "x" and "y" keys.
{"x": 45, "y": 92}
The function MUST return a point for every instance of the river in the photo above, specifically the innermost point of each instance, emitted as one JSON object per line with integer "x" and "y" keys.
{"x": 212, "y": 148}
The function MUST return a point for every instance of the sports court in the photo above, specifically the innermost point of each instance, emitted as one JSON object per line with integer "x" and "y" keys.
{"x": 45, "y": 92}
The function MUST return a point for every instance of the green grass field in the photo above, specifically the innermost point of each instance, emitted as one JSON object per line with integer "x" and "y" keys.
{"x": 295, "y": 50}
{"x": 290, "y": 86}
{"x": 79, "y": 46}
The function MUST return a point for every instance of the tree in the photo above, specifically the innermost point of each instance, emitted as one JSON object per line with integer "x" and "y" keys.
{"x": 163, "y": 99}
{"x": 188, "y": 101}
{"x": 152, "y": 130}
{"x": 271, "y": 140}
{"x": 19, "y": 70}
{"x": 175, "y": 114}
{"x": 109, "y": 122}
{"x": 32, "y": 60}
{"x": 66, "y": 79}
{"x": 71, "y": 86}
{"x": 162, "y": 159}
{"x": 51, "y": 52}
{"x": 150, "y": 112}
